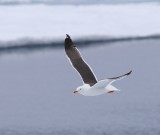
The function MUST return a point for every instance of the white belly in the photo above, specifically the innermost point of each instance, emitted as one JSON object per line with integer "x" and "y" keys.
{"x": 93, "y": 92}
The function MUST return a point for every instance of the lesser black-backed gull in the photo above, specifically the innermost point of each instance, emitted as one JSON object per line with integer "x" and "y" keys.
{"x": 91, "y": 86}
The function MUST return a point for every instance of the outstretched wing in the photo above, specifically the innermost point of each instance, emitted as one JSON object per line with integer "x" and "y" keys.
{"x": 105, "y": 82}
{"x": 120, "y": 77}
{"x": 78, "y": 63}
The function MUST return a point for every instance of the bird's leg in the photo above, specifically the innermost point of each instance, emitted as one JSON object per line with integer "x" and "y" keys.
{"x": 111, "y": 91}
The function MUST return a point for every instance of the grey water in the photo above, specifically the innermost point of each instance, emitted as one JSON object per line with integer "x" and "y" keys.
{"x": 78, "y": 2}
{"x": 36, "y": 91}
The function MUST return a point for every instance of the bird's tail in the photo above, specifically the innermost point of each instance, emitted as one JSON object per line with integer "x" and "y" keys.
{"x": 110, "y": 88}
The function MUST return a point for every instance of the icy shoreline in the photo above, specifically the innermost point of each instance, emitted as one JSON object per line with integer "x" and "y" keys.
{"x": 28, "y": 45}
{"x": 52, "y": 22}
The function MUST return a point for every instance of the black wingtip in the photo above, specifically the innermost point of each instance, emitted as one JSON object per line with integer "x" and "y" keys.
{"x": 129, "y": 72}
{"x": 67, "y": 36}
{"x": 68, "y": 42}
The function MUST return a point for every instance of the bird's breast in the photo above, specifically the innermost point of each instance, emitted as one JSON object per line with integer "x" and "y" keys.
{"x": 93, "y": 92}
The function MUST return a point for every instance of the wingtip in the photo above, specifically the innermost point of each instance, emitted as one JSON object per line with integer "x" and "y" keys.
{"x": 129, "y": 72}
{"x": 67, "y": 36}
{"x": 68, "y": 42}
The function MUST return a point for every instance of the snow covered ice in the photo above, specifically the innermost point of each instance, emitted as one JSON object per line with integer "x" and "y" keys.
{"x": 51, "y": 22}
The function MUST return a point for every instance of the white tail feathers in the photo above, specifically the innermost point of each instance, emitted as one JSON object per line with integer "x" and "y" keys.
{"x": 110, "y": 88}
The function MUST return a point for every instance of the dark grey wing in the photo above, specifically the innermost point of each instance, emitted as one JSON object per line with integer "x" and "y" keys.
{"x": 78, "y": 63}
{"x": 119, "y": 77}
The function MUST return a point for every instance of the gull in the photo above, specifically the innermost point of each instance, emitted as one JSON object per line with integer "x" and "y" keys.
{"x": 91, "y": 86}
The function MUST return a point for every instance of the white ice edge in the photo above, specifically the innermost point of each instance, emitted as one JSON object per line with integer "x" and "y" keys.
{"x": 53, "y": 22}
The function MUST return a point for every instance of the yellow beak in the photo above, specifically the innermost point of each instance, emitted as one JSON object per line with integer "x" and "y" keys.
{"x": 75, "y": 91}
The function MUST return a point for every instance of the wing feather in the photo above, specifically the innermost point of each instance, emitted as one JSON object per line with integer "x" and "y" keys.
{"x": 105, "y": 82}
{"x": 78, "y": 63}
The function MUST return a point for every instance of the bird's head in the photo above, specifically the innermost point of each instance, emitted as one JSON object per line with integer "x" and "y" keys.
{"x": 78, "y": 89}
{"x": 81, "y": 88}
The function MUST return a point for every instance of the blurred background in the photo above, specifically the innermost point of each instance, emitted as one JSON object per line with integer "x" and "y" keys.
{"x": 37, "y": 80}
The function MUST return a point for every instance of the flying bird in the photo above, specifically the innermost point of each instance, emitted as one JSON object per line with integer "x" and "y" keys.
{"x": 91, "y": 86}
